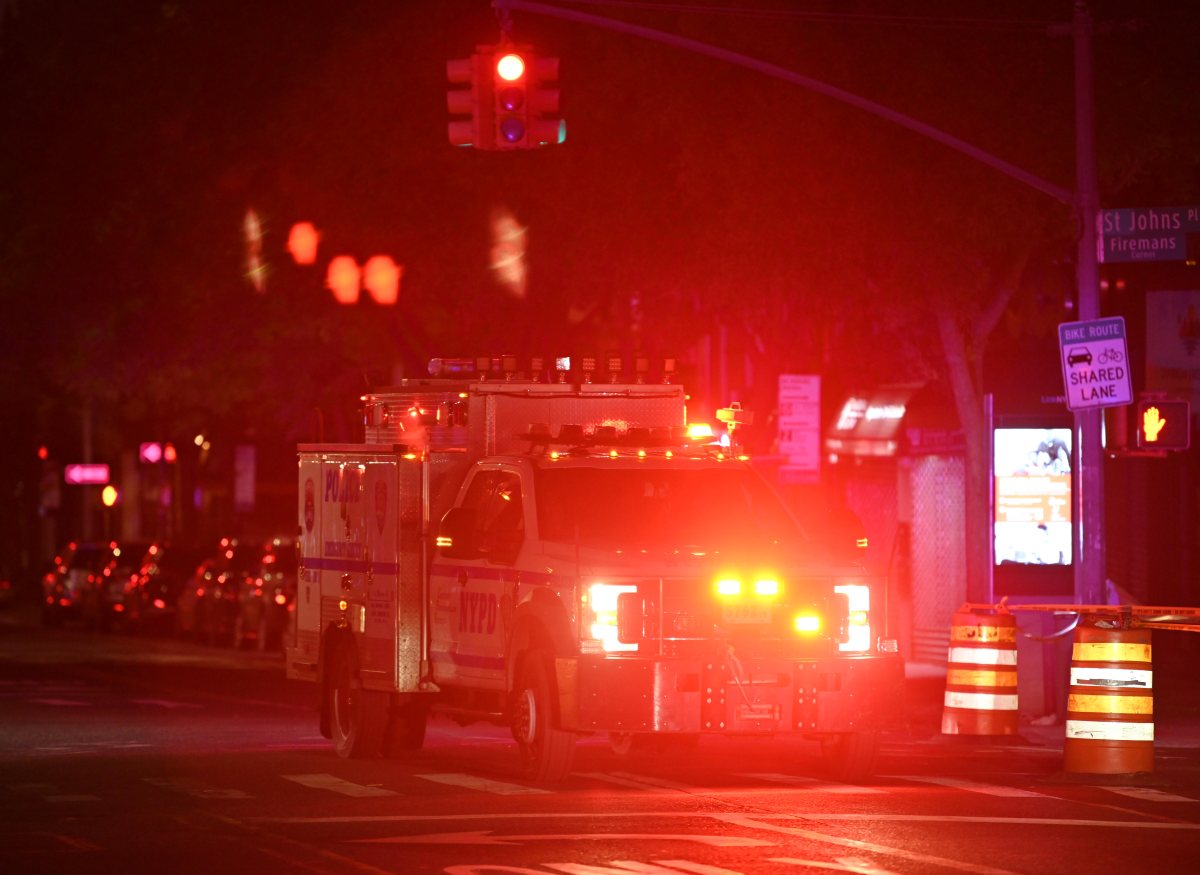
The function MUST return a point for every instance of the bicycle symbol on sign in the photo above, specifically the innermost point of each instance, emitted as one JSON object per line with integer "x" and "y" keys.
{"x": 1110, "y": 356}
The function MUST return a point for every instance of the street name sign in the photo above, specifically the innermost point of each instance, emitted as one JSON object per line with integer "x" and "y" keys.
{"x": 1149, "y": 234}
{"x": 1095, "y": 363}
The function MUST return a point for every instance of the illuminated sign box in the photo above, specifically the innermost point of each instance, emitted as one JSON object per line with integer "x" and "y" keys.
{"x": 1032, "y": 522}
{"x": 86, "y": 474}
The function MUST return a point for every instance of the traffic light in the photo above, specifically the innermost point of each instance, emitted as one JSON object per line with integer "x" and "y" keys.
{"x": 544, "y": 125}
{"x": 510, "y": 97}
{"x": 1164, "y": 424}
{"x": 507, "y": 102}
{"x": 469, "y": 101}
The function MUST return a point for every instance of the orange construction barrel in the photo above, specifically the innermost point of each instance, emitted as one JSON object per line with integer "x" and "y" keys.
{"x": 981, "y": 675}
{"x": 1110, "y": 705}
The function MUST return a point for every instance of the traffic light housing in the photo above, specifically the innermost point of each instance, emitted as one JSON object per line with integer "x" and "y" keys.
{"x": 471, "y": 101}
{"x": 510, "y": 101}
{"x": 510, "y": 97}
{"x": 1163, "y": 424}
{"x": 544, "y": 125}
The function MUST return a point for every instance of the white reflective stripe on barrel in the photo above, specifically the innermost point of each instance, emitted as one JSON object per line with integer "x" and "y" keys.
{"x": 981, "y": 701}
{"x": 1112, "y": 677}
{"x": 1096, "y": 730}
{"x": 983, "y": 656}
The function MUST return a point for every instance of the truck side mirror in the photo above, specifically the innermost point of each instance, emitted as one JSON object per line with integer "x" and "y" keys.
{"x": 455, "y": 537}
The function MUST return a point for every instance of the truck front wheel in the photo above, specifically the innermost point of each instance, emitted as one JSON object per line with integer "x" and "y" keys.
{"x": 357, "y": 717}
{"x": 546, "y": 750}
{"x": 851, "y": 756}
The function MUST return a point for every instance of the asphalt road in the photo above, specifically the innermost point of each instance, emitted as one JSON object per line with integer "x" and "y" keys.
{"x": 122, "y": 754}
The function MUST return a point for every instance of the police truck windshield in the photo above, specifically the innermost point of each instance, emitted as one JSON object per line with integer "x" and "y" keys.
{"x": 660, "y": 509}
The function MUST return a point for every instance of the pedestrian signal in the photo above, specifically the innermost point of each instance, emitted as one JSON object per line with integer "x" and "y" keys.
{"x": 1164, "y": 424}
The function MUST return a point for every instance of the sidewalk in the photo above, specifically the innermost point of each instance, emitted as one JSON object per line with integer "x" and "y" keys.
{"x": 1176, "y": 707}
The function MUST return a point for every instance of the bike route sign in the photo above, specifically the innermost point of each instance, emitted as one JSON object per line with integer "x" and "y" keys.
{"x": 1095, "y": 363}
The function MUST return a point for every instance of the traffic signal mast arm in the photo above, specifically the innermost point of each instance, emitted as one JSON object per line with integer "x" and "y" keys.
{"x": 1063, "y": 195}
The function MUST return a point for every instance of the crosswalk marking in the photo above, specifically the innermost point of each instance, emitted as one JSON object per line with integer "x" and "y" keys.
{"x": 660, "y": 782}
{"x": 972, "y": 786}
{"x": 338, "y": 785}
{"x": 50, "y": 793}
{"x": 1148, "y": 794}
{"x": 810, "y": 785}
{"x": 199, "y": 789}
{"x": 622, "y": 779}
{"x": 500, "y": 788}
{"x": 645, "y": 783}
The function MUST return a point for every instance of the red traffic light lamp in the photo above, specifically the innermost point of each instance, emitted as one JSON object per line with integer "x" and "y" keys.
{"x": 1163, "y": 424}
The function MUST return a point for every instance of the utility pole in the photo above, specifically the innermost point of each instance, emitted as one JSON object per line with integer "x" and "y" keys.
{"x": 1089, "y": 455}
{"x": 86, "y": 492}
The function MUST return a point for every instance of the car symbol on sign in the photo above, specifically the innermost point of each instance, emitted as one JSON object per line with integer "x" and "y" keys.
{"x": 1079, "y": 355}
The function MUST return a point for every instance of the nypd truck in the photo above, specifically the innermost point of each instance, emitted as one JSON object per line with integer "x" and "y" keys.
{"x": 567, "y": 558}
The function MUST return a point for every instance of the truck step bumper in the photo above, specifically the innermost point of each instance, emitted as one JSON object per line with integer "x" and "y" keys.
{"x": 722, "y": 696}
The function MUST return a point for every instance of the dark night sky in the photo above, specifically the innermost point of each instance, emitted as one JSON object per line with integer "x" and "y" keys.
{"x": 139, "y": 132}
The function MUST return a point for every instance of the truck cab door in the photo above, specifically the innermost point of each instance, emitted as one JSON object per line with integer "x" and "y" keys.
{"x": 472, "y": 575}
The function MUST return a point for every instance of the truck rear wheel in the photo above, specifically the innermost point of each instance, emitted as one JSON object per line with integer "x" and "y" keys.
{"x": 357, "y": 717}
{"x": 546, "y": 750}
{"x": 851, "y": 756}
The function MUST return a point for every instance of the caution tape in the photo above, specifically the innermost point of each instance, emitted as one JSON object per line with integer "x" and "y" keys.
{"x": 1184, "y": 619}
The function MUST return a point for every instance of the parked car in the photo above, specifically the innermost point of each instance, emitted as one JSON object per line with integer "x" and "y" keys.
{"x": 153, "y": 597}
{"x": 266, "y": 597}
{"x": 208, "y": 606}
{"x": 63, "y": 585}
{"x": 102, "y": 599}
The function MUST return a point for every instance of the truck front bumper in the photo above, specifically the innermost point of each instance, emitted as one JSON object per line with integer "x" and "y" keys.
{"x": 848, "y": 693}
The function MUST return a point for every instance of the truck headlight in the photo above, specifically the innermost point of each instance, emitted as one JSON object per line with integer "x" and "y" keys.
{"x": 600, "y": 618}
{"x": 858, "y": 621}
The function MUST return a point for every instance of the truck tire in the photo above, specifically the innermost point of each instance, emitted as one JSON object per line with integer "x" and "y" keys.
{"x": 546, "y": 750}
{"x": 357, "y": 717}
{"x": 851, "y": 756}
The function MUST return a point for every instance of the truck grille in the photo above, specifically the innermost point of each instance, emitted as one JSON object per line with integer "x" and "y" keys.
{"x": 683, "y": 617}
